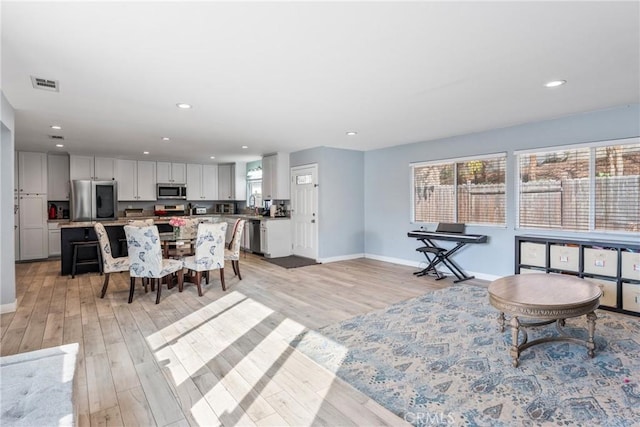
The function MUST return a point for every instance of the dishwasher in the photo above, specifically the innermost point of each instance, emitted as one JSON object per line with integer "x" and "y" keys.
{"x": 254, "y": 236}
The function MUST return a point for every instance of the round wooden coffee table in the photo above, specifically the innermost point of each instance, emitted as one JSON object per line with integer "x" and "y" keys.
{"x": 545, "y": 298}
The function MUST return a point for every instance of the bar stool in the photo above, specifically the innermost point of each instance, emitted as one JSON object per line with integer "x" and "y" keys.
{"x": 85, "y": 244}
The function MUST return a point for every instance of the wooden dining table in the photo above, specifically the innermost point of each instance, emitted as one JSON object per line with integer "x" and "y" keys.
{"x": 184, "y": 245}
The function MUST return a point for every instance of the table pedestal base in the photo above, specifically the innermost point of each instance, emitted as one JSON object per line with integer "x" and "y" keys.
{"x": 517, "y": 327}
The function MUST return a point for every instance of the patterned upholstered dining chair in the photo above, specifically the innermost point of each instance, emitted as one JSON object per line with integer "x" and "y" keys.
{"x": 190, "y": 228}
{"x": 145, "y": 259}
{"x": 209, "y": 252}
{"x": 140, "y": 222}
{"x": 109, "y": 263}
{"x": 232, "y": 252}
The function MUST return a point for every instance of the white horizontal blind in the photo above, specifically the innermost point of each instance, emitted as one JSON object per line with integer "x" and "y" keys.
{"x": 481, "y": 191}
{"x": 434, "y": 193}
{"x": 470, "y": 191}
{"x": 617, "y": 188}
{"x": 554, "y": 189}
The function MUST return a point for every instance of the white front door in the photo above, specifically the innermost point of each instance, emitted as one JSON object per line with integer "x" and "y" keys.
{"x": 304, "y": 209}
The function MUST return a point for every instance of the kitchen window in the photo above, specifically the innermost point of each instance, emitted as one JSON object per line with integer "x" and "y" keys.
{"x": 468, "y": 190}
{"x": 254, "y": 187}
{"x": 591, "y": 187}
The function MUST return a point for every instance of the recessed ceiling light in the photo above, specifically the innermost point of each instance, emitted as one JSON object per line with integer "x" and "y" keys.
{"x": 212, "y": 157}
{"x": 244, "y": 147}
{"x": 555, "y": 83}
{"x": 59, "y": 145}
{"x": 183, "y": 105}
{"x": 352, "y": 133}
{"x": 166, "y": 138}
{"x": 56, "y": 127}
{"x": 145, "y": 152}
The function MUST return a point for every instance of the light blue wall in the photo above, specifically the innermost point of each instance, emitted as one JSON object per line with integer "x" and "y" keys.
{"x": 7, "y": 250}
{"x": 387, "y": 183}
{"x": 340, "y": 199}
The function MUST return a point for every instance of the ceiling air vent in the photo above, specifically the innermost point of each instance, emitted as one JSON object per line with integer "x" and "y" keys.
{"x": 45, "y": 84}
{"x": 56, "y": 137}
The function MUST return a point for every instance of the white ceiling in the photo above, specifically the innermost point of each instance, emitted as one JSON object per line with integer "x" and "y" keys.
{"x": 294, "y": 75}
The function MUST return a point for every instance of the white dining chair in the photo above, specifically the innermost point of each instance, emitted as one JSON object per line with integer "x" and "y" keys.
{"x": 109, "y": 263}
{"x": 145, "y": 259}
{"x": 232, "y": 251}
{"x": 209, "y": 252}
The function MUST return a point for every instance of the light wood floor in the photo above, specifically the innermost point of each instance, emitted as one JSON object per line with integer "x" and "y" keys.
{"x": 220, "y": 359}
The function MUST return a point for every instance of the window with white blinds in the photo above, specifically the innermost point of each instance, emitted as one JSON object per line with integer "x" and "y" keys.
{"x": 589, "y": 188}
{"x": 468, "y": 191}
{"x": 617, "y": 189}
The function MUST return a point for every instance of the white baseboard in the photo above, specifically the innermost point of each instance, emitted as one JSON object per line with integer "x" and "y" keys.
{"x": 340, "y": 258}
{"x": 8, "y": 308}
{"x": 399, "y": 261}
{"x": 421, "y": 264}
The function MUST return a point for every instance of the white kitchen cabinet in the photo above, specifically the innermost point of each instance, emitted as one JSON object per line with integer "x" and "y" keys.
{"x": 232, "y": 181}
{"x": 34, "y": 240}
{"x": 209, "y": 182}
{"x": 202, "y": 182}
{"x": 171, "y": 173}
{"x": 58, "y": 178}
{"x": 136, "y": 180}
{"x": 89, "y": 167}
{"x": 275, "y": 237}
{"x": 32, "y": 173}
{"x": 54, "y": 239}
{"x": 146, "y": 174}
{"x": 275, "y": 177}
{"x": 105, "y": 168}
{"x": 81, "y": 167}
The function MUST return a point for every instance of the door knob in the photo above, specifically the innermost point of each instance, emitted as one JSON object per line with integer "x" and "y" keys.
{"x": 313, "y": 221}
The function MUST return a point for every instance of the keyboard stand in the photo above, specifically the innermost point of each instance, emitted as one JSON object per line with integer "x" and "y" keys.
{"x": 442, "y": 256}
{"x": 432, "y": 262}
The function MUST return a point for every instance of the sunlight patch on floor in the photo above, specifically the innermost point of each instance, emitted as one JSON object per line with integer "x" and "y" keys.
{"x": 179, "y": 346}
{"x": 236, "y": 351}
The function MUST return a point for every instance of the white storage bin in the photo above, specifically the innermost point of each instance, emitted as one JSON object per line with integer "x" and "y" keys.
{"x": 630, "y": 265}
{"x": 533, "y": 254}
{"x": 531, "y": 271}
{"x": 609, "y": 291}
{"x": 631, "y": 297}
{"x": 603, "y": 262}
{"x": 564, "y": 257}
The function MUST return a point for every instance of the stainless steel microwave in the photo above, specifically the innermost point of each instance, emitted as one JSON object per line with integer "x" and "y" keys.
{"x": 171, "y": 191}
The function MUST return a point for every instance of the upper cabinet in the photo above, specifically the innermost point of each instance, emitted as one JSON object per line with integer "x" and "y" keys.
{"x": 171, "y": 173}
{"x": 275, "y": 177}
{"x": 202, "y": 182}
{"x": 136, "y": 180}
{"x": 58, "y": 178}
{"x": 232, "y": 181}
{"x": 88, "y": 167}
{"x": 32, "y": 173}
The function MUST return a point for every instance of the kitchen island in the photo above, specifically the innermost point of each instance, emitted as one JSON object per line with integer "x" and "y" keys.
{"x": 83, "y": 231}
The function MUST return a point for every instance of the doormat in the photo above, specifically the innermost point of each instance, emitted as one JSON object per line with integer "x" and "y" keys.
{"x": 292, "y": 261}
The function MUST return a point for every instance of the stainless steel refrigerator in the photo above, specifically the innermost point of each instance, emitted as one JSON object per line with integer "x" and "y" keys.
{"x": 94, "y": 200}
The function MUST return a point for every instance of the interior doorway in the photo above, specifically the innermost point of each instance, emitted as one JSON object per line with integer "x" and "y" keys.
{"x": 304, "y": 209}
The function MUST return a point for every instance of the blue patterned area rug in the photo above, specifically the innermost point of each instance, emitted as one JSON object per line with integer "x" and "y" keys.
{"x": 440, "y": 359}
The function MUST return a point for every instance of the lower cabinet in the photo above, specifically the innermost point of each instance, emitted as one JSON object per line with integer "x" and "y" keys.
{"x": 54, "y": 239}
{"x": 614, "y": 266}
{"x": 275, "y": 237}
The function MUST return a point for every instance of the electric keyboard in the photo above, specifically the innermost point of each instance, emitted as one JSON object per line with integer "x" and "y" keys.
{"x": 451, "y": 237}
